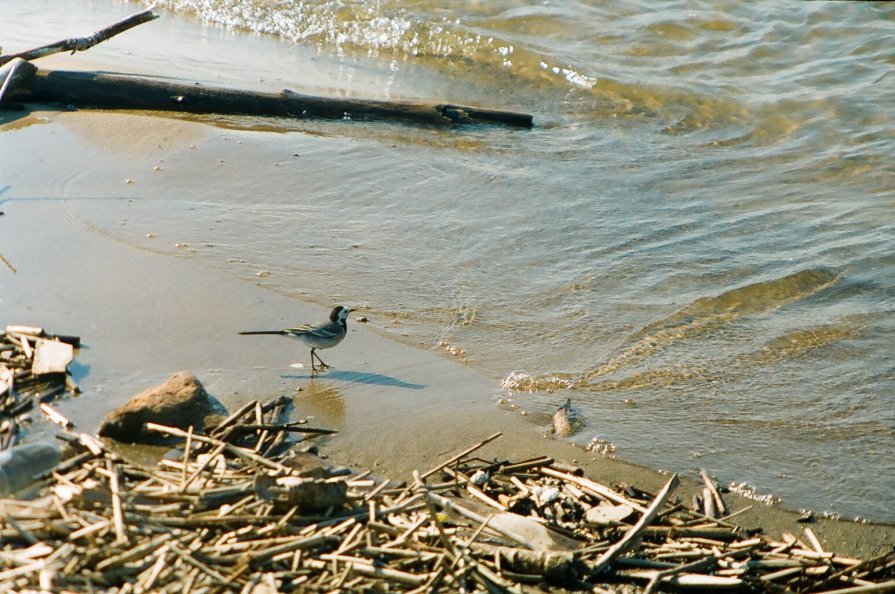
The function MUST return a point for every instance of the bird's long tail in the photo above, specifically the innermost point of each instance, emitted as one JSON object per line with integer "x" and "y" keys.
{"x": 263, "y": 332}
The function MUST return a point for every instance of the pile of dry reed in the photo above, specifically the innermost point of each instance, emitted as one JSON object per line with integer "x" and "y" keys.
{"x": 33, "y": 371}
{"x": 233, "y": 512}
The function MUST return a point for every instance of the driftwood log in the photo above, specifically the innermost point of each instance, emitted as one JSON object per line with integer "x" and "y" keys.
{"x": 109, "y": 91}
{"x": 113, "y": 91}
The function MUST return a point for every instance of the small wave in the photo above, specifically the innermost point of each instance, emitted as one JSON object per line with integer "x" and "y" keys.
{"x": 495, "y": 50}
{"x": 756, "y": 298}
{"x": 802, "y": 341}
{"x": 521, "y": 381}
{"x": 749, "y": 492}
{"x": 657, "y": 378}
{"x": 371, "y": 27}
{"x": 709, "y": 314}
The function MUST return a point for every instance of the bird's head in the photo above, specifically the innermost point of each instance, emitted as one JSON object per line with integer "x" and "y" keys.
{"x": 339, "y": 314}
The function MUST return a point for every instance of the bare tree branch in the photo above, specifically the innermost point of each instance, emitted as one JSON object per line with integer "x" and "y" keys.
{"x": 79, "y": 44}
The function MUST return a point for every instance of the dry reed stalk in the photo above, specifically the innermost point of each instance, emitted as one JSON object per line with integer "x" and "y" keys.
{"x": 203, "y": 523}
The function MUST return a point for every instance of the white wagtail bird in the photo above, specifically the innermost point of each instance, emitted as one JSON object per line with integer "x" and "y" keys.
{"x": 322, "y": 336}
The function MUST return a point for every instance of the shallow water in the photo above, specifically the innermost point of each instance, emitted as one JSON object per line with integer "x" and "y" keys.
{"x": 694, "y": 243}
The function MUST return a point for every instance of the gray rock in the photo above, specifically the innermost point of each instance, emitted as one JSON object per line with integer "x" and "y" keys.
{"x": 179, "y": 402}
{"x": 566, "y": 420}
{"x": 19, "y": 465}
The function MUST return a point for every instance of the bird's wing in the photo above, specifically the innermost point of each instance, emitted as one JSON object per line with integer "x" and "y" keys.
{"x": 328, "y": 331}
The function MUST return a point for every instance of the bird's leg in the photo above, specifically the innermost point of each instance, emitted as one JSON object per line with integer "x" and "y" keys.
{"x": 319, "y": 360}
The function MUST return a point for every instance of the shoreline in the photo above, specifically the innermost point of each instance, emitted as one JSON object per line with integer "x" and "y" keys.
{"x": 397, "y": 408}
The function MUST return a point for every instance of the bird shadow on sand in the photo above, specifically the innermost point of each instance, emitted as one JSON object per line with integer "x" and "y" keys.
{"x": 358, "y": 377}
